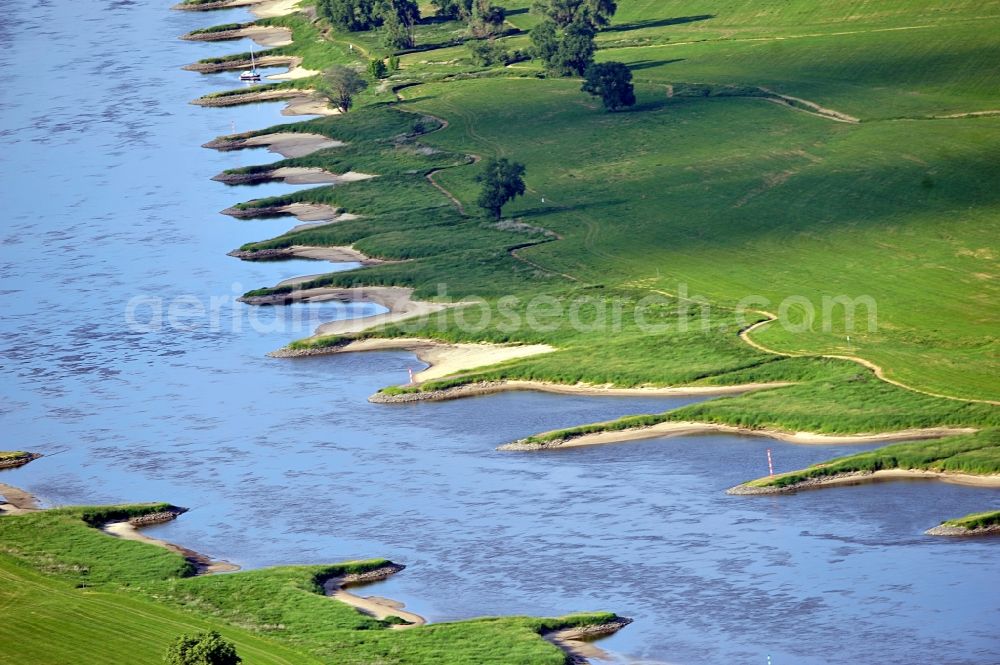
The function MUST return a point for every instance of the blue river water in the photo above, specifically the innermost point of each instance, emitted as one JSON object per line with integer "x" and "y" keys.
{"x": 110, "y": 211}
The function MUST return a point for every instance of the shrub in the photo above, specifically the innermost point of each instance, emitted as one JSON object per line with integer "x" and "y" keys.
{"x": 202, "y": 649}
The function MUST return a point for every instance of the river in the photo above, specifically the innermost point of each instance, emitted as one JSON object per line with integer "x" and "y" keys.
{"x": 108, "y": 202}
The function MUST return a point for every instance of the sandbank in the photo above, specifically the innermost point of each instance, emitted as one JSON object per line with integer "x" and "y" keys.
{"x": 17, "y": 501}
{"x": 332, "y": 254}
{"x": 491, "y": 387}
{"x": 445, "y": 358}
{"x": 680, "y": 428}
{"x": 203, "y": 564}
{"x": 375, "y": 606}
{"x": 861, "y": 477}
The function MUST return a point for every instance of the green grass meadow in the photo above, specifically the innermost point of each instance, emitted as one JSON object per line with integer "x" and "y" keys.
{"x": 707, "y": 187}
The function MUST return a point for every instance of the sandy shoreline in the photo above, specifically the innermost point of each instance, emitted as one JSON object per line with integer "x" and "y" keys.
{"x": 480, "y": 388}
{"x": 680, "y": 428}
{"x": 264, "y": 35}
{"x": 259, "y": 8}
{"x": 17, "y": 501}
{"x": 286, "y": 144}
{"x": 375, "y": 606}
{"x": 332, "y": 254}
{"x": 300, "y": 101}
{"x": 203, "y": 565}
{"x": 577, "y": 641}
{"x": 859, "y": 478}
{"x": 292, "y": 175}
{"x": 444, "y": 358}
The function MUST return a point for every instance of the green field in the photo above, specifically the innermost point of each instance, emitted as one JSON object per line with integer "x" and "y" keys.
{"x": 82, "y": 595}
{"x": 710, "y": 186}
{"x": 859, "y": 185}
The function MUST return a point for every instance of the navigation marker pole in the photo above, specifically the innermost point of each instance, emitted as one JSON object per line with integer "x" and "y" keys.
{"x": 411, "y": 375}
{"x": 770, "y": 468}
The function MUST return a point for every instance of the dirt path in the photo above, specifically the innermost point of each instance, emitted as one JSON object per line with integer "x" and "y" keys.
{"x": 876, "y": 369}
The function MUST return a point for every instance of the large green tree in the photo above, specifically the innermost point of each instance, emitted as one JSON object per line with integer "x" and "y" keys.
{"x": 486, "y": 19}
{"x": 502, "y": 181}
{"x": 340, "y": 84}
{"x": 612, "y": 82}
{"x": 565, "y": 52}
{"x": 202, "y": 649}
{"x": 597, "y": 13}
{"x": 356, "y": 15}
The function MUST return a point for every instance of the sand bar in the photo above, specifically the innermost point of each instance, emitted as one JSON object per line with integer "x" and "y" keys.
{"x": 375, "y": 606}
{"x": 296, "y": 72}
{"x": 380, "y": 608}
{"x": 668, "y": 429}
{"x": 203, "y": 564}
{"x": 17, "y": 501}
{"x": 396, "y": 299}
{"x": 291, "y": 144}
{"x": 862, "y": 477}
{"x": 445, "y": 358}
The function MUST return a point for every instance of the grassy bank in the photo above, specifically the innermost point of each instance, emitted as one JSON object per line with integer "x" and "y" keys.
{"x": 974, "y": 454}
{"x": 77, "y": 585}
{"x": 975, "y": 520}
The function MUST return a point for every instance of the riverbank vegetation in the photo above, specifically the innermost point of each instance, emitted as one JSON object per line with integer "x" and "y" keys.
{"x": 976, "y": 521}
{"x": 87, "y": 592}
{"x": 739, "y": 233}
{"x": 974, "y": 454}
{"x": 788, "y": 181}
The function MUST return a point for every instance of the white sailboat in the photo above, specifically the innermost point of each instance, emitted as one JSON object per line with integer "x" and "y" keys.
{"x": 251, "y": 75}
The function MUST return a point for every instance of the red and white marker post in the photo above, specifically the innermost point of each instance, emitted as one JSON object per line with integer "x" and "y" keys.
{"x": 411, "y": 375}
{"x": 770, "y": 463}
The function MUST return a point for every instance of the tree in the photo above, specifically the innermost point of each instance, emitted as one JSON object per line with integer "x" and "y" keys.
{"x": 502, "y": 180}
{"x": 396, "y": 34}
{"x": 340, "y": 84}
{"x": 486, "y": 19}
{"x": 545, "y": 42}
{"x": 576, "y": 49}
{"x": 452, "y": 9}
{"x": 612, "y": 82}
{"x": 350, "y": 15}
{"x": 377, "y": 68}
{"x": 597, "y": 13}
{"x": 202, "y": 649}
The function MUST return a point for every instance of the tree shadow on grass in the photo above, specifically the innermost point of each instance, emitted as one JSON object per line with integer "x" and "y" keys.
{"x": 650, "y": 64}
{"x": 658, "y": 23}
